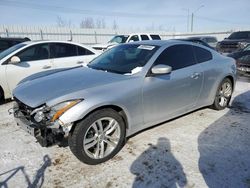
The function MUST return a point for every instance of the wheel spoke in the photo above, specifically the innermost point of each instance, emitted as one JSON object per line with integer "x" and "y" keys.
{"x": 101, "y": 150}
{"x": 99, "y": 124}
{"x": 112, "y": 138}
{"x": 112, "y": 128}
{"x": 90, "y": 145}
{"x": 109, "y": 125}
{"x": 88, "y": 140}
{"x": 97, "y": 150}
{"x": 110, "y": 142}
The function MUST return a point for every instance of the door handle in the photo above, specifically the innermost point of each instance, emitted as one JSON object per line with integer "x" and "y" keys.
{"x": 46, "y": 66}
{"x": 79, "y": 62}
{"x": 196, "y": 75}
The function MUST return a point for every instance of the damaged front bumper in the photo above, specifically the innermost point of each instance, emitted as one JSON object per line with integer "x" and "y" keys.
{"x": 46, "y": 135}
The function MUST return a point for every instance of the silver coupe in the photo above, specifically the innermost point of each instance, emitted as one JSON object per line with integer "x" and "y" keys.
{"x": 126, "y": 89}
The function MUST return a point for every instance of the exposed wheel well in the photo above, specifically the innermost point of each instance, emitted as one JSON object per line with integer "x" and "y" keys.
{"x": 231, "y": 79}
{"x": 118, "y": 109}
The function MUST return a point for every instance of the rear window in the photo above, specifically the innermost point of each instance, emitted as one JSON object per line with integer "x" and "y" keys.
{"x": 202, "y": 55}
{"x": 155, "y": 37}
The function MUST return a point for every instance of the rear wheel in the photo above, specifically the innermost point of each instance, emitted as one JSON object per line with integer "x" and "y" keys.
{"x": 98, "y": 137}
{"x": 223, "y": 95}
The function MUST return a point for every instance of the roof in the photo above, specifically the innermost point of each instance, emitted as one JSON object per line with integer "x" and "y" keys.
{"x": 160, "y": 42}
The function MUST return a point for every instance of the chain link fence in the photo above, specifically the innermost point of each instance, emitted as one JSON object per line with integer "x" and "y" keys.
{"x": 86, "y": 36}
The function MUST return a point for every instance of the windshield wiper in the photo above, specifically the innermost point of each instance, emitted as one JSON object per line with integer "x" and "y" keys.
{"x": 107, "y": 70}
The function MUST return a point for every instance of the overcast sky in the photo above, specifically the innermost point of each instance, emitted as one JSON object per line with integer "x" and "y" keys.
{"x": 169, "y": 15}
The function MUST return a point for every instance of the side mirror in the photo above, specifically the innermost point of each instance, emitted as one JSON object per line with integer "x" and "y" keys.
{"x": 131, "y": 41}
{"x": 161, "y": 69}
{"x": 15, "y": 60}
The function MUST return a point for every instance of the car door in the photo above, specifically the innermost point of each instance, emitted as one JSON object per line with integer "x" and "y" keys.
{"x": 64, "y": 55}
{"x": 166, "y": 96}
{"x": 33, "y": 59}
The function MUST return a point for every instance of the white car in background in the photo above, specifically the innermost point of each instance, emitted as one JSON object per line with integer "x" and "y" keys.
{"x": 119, "y": 39}
{"x": 28, "y": 58}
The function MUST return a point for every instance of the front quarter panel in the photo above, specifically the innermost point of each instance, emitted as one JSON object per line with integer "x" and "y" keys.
{"x": 125, "y": 94}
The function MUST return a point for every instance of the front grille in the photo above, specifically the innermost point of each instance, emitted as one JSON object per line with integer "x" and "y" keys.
{"x": 231, "y": 46}
{"x": 24, "y": 109}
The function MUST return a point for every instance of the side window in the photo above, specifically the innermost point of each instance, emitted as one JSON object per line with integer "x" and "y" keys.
{"x": 134, "y": 38}
{"x": 59, "y": 50}
{"x": 177, "y": 56}
{"x": 83, "y": 51}
{"x": 202, "y": 55}
{"x": 33, "y": 53}
{"x": 155, "y": 37}
{"x": 144, "y": 37}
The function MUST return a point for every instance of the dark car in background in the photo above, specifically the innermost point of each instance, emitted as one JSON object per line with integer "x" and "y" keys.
{"x": 7, "y": 42}
{"x": 242, "y": 58}
{"x": 197, "y": 41}
{"x": 236, "y": 41}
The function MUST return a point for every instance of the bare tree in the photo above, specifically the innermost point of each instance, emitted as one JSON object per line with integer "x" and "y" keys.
{"x": 62, "y": 22}
{"x": 103, "y": 23}
{"x": 98, "y": 23}
{"x": 87, "y": 23}
{"x": 115, "y": 25}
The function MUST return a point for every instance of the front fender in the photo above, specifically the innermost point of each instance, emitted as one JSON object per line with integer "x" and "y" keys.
{"x": 81, "y": 110}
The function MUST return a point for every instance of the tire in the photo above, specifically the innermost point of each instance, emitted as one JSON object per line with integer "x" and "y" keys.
{"x": 91, "y": 142}
{"x": 223, "y": 95}
{"x": 1, "y": 96}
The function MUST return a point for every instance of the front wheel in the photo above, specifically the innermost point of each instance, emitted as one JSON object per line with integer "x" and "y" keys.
{"x": 98, "y": 137}
{"x": 223, "y": 95}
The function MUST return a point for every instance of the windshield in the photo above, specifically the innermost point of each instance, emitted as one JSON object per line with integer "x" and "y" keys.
{"x": 119, "y": 39}
{"x": 124, "y": 59}
{"x": 8, "y": 51}
{"x": 240, "y": 35}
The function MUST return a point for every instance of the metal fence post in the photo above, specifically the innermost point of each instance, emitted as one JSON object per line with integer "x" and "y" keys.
{"x": 7, "y": 32}
{"x": 71, "y": 36}
{"x": 41, "y": 34}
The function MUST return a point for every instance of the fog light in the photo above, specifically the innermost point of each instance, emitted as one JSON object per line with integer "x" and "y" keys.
{"x": 39, "y": 116}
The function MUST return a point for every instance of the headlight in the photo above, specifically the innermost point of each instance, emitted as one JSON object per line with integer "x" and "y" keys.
{"x": 243, "y": 44}
{"x": 59, "y": 109}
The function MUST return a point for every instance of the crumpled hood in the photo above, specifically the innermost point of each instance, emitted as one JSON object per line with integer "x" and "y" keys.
{"x": 39, "y": 90}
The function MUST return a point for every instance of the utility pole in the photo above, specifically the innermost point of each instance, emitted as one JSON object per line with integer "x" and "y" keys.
{"x": 192, "y": 17}
{"x": 192, "y": 21}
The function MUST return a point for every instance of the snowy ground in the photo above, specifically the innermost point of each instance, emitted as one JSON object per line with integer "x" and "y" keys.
{"x": 205, "y": 148}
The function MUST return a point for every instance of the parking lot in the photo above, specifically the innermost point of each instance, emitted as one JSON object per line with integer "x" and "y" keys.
{"x": 205, "y": 148}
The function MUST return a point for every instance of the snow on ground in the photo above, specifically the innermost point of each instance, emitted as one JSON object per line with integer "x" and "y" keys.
{"x": 205, "y": 148}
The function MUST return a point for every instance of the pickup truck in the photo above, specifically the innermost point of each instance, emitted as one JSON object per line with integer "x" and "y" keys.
{"x": 119, "y": 39}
